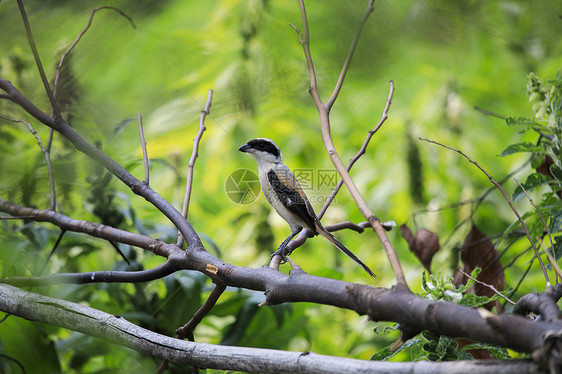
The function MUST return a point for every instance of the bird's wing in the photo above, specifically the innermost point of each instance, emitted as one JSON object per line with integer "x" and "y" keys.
{"x": 290, "y": 193}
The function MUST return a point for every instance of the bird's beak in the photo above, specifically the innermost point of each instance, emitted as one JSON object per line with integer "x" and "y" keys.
{"x": 244, "y": 148}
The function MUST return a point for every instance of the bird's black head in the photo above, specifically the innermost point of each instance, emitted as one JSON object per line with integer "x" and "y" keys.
{"x": 261, "y": 145}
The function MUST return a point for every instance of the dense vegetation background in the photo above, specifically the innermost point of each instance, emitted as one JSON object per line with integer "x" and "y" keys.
{"x": 444, "y": 57}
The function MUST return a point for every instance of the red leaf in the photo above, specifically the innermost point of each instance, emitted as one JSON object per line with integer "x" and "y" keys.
{"x": 425, "y": 244}
{"x": 478, "y": 251}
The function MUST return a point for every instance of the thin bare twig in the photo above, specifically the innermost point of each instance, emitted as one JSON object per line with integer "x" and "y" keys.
{"x": 304, "y": 40}
{"x": 552, "y": 260}
{"x": 144, "y": 152}
{"x": 545, "y": 226}
{"x": 119, "y": 251}
{"x": 505, "y": 197}
{"x": 361, "y": 151}
{"x": 186, "y": 331}
{"x": 324, "y": 112}
{"x": 488, "y": 112}
{"x": 80, "y": 35}
{"x": 276, "y": 260}
{"x": 487, "y": 285}
{"x": 194, "y": 154}
{"x": 55, "y": 246}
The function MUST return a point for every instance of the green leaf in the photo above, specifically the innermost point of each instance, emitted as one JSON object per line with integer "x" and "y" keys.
{"x": 386, "y": 353}
{"x": 469, "y": 283}
{"x": 533, "y": 181}
{"x": 231, "y": 305}
{"x": 526, "y": 124}
{"x": 521, "y": 147}
{"x": 521, "y": 121}
{"x": 557, "y": 247}
{"x": 499, "y": 353}
{"x": 474, "y": 301}
{"x": 556, "y": 171}
{"x": 555, "y": 220}
{"x": 23, "y": 339}
{"x": 385, "y": 330}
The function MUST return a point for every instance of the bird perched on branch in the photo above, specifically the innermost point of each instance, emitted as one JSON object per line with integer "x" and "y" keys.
{"x": 282, "y": 190}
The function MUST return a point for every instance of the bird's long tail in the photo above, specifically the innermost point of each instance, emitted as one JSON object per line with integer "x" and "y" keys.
{"x": 325, "y": 233}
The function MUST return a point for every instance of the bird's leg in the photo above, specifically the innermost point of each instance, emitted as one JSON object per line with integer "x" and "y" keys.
{"x": 281, "y": 249}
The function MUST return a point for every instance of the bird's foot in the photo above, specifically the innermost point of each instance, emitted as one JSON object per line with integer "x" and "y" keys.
{"x": 280, "y": 252}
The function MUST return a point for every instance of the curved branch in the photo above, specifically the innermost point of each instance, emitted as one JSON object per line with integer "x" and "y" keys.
{"x": 304, "y": 234}
{"x": 158, "y": 272}
{"x": 540, "y": 304}
{"x": 553, "y": 257}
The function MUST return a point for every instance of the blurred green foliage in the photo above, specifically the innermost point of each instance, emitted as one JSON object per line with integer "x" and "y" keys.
{"x": 445, "y": 57}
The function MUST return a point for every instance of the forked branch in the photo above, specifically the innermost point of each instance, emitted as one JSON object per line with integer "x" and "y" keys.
{"x": 324, "y": 112}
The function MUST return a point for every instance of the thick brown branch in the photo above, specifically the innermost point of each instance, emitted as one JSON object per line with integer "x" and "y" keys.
{"x": 540, "y": 304}
{"x": 117, "y": 330}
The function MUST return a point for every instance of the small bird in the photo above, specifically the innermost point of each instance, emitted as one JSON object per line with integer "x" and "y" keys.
{"x": 282, "y": 190}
